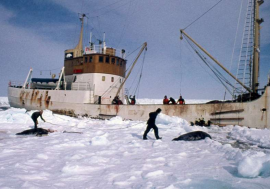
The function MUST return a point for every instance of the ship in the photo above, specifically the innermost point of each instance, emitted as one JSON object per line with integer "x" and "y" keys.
{"x": 94, "y": 76}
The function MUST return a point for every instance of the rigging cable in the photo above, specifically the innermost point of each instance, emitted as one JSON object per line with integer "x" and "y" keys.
{"x": 219, "y": 76}
{"x": 108, "y": 5}
{"x": 126, "y": 25}
{"x": 82, "y": 6}
{"x": 99, "y": 26}
{"x": 189, "y": 48}
{"x": 237, "y": 28}
{"x": 106, "y": 12}
{"x": 202, "y": 15}
{"x": 133, "y": 80}
{"x": 134, "y": 51}
{"x": 137, "y": 73}
{"x": 181, "y": 72}
{"x": 115, "y": 83}
{"x": 137, "y": 88}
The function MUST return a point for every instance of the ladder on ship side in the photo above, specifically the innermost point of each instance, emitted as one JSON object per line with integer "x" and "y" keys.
{"x": 245, "y": 62}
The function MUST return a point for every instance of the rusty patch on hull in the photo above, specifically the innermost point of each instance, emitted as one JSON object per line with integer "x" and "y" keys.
{"x": 22, "y": 97}
{"x": 47, "y": 100}
{"x": 65, "y": 112}
{"x": 39, "y": 100}
{"x": 116, "y": 107}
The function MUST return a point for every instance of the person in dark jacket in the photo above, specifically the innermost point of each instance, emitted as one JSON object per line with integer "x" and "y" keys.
{"x": 115, "y": 100}
{"x": 35, "y": 116}
{"x": 152, "y": 125}
{"x": 132, "y": 100}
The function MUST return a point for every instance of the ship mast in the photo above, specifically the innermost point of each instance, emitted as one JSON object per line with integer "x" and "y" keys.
{"x": 78, "y": 50}
{"x": 256, "y": 51}
{"x": 79, "y": 47}
{"x": 253, "y": 88}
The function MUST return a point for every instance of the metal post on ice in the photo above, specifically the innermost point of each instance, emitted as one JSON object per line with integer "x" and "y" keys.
{"x": 62, "y": 74}
{"x": 26, "y": 84}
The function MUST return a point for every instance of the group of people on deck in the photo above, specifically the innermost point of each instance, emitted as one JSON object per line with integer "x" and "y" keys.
{"x": 132, "y": 100}
{"x": 172, "y": 101}
{"x": 116, "y": 100}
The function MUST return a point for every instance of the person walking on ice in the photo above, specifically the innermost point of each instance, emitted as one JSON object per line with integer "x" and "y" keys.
{"x": 35, "y": 116}
{"x": 152, "y": 125}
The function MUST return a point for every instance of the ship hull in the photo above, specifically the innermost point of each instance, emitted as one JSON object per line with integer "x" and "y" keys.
{"x": 253, "y": 114}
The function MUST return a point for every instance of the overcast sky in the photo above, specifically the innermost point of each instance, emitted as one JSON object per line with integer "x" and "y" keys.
{"x": 35, "y": 33}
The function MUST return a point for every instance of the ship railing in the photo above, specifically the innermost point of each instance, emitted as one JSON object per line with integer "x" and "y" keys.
{"x": 81, "y": 86}
{"x": 100, "y": 49}
{"x": 15, "y": 84}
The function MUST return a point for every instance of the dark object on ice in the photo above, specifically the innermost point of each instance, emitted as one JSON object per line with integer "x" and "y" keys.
{"x": 37, "y": 132}
{"x": 192, "y": 136}
{"x": 72, "y": 132}
{"x": 201, "y": 122}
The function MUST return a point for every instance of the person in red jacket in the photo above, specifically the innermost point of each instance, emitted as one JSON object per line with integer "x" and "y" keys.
{"x": 132, "y": 100}
{"x": 181, "y": 100}
{"x": 165, "y": 100}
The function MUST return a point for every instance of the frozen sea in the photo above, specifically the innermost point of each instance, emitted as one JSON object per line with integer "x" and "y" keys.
{"x": 112, "y": 154}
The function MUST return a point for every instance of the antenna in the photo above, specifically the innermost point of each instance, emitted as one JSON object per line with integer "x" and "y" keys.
{"x": 104, "y": 44}
{"x": 90, "y": 41}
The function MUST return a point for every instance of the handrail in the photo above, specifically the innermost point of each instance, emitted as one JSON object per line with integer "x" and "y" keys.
{"x": 83, "y": 86}
{"x": 99, "y": 49}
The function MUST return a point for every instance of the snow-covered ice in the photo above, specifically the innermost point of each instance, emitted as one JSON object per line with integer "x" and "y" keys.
{"x": 112, "y": 154}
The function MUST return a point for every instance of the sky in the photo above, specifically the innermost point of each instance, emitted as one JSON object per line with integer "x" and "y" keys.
{"x": 35, "y": 34}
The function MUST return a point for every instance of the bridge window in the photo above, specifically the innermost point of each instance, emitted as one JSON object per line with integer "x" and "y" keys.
{"x": 113, "y": 60}
{"x": 103, "y": 78}
{"x": 101, "y": 59}
{"x": 90, "y": 59}
{"x": 117, "y": 61}
{"x": 107, "y": 60}
{"x": 85, "y": 59}
{"x": 121, "y": 62}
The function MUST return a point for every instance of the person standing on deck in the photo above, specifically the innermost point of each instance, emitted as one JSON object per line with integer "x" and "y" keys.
{"x": 165, "y": 100}
{"x": 181, "y": 100}
{"x": 132, "y": 100}
{"x": 151, "y": 124}
{"x": 35, "y": 116}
